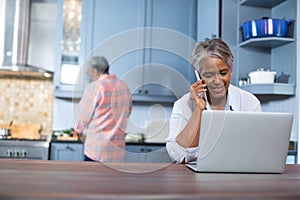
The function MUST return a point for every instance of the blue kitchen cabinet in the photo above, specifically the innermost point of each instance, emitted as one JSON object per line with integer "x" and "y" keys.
{"x": 146, "y": 152}
{"x": 157, "y": 154}
{"x": 69, "y": 78}
{"x": 67, "y": 151}
{"x": 135, "y": 153}
{"x": 147, "y": 42}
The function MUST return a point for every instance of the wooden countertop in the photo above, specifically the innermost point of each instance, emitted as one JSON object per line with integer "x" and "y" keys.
{"x": 37, "y": 179}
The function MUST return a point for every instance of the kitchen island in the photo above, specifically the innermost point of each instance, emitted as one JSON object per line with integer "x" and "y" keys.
{"x": 40, "y": 179}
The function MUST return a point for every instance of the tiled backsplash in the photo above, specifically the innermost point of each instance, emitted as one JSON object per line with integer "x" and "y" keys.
{"x": 27, "y": 101}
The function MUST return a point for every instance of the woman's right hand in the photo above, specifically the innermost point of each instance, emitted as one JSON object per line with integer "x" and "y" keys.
{"x": 197, "y": 94}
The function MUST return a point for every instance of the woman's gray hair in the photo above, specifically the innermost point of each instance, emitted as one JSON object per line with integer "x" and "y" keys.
{"x": 215, "y": 47}
{"x": 99, "y": 63}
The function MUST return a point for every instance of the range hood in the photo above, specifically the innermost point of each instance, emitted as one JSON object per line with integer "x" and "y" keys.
{"x": 18, "y": 21}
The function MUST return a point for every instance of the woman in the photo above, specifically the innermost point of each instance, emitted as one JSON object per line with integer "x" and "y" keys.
{"x": 212, "y": 60}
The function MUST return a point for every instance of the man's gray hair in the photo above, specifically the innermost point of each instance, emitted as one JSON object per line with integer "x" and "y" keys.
{"x": 99, "y": 63}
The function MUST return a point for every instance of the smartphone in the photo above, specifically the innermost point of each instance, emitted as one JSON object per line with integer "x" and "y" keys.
{"x": 201, "y": 94}
{"x": 197, "y": 75}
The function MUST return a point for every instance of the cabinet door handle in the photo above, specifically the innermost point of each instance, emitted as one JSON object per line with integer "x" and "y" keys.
{"x": 69, "y": 148}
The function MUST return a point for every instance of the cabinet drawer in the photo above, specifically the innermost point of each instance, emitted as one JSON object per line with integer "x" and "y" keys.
{"x": 66, "y": 151}
{"x": 146, "y": 153}
{"x": 135, "y": 153}
{"x": 157, "y": 154}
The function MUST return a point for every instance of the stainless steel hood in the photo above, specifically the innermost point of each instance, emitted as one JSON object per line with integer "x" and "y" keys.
{"x": 16, "y": 25}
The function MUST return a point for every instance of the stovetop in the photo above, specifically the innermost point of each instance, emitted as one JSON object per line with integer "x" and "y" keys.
{"x": 22, "y": 139}
{"x": 41, "y": 139}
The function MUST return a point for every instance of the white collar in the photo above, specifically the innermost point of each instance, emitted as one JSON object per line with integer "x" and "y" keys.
{"x": 228, "y": 106}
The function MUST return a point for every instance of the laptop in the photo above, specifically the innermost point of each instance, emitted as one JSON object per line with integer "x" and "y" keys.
{"x": 243, "y": 142}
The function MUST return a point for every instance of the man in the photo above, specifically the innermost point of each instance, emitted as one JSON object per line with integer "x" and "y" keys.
{"x": 102, "y": 113}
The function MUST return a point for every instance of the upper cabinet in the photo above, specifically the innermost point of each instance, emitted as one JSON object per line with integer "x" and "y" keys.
{"x": 208, "y": 27}
{"x": 147, "y": 42}
{"x": 69, "y": 80}
{"x": 272, "y": 52}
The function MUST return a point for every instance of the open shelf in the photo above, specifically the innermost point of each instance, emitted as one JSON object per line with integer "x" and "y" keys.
{"x": 266, "y": 42}
{"x": 262, "y": 3}
{"x": 273, "y": 88}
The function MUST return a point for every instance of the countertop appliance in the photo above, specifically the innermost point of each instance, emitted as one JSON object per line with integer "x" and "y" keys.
{"x": 25, "y": 148}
